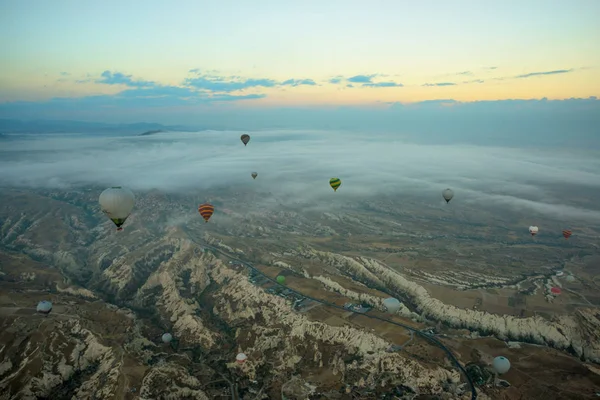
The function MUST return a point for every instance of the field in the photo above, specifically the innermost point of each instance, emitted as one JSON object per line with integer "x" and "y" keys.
{"x": 335, "y": 317}
{"x": 536, "y": 371}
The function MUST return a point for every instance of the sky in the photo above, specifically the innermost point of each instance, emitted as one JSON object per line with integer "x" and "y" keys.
{"x": 194, "y": 61}
{"x": 295, "y": 167}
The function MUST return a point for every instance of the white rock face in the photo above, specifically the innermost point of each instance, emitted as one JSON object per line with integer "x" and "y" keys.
{"x": 171, "y": 382}
{"x": 285, "y": 338}
{"x": 580, "y": 331}
{"x": 362, "y": 297}
{"x": 187, "y": 326}
{"x": 85, "y": 353}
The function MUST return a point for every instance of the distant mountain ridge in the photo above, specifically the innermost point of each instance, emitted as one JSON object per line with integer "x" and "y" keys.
{"x": 67, "y": 126}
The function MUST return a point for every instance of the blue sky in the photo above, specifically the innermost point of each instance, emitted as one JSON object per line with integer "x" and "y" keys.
{"x": 171, "y": 61}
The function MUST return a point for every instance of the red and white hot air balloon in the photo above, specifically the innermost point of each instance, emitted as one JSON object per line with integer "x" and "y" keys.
{"x": 533, "y": 230}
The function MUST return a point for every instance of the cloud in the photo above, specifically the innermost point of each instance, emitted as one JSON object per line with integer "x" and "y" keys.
{"x": 118, "y": 78}
{"x": 143, "y": 93}
{"x": 65, "y": 74}
{"x": 555, "y": 72}
{"x": 439, "y": 84}
{"x": 543, "y": 73}
{"x": 383, "y": 84}
{"x": 160, "y": 97}
{"x": 537, "y": 123}
{"x": 517, "y": 186}
{"x": 299, "y": 82}
{"x": 365, "y": 81}
{"x": 522, "y": 76}
{"x": 361, "y": 78}
{"x": 220, "y": 84}
{"x": 216, "y": 83}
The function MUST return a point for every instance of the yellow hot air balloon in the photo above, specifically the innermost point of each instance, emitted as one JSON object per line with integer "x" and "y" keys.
{"x": 335, "y": 183}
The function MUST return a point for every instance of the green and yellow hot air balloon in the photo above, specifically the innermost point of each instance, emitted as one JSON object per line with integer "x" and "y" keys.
{"x": 281, "y": 279}
{"x": 335, "y": 183}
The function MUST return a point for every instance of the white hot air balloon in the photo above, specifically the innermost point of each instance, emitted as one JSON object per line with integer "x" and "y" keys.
{"x": 241, "y": 358}
{"x": 117, "y": 202}
{"x": 448, "y": 194}
{"x": 501, "y": 364}
{"x": 44, "y": 307}
{"x": 167, "y": 337}
{"x": 392, "y": 305}
{"x": 533, "y": 230}
{"x": 570, "y": 278}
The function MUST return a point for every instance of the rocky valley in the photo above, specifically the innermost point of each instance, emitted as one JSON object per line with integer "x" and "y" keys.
{"x": 114, "y": 294}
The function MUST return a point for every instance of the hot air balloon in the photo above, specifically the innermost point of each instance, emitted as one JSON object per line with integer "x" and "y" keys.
{"x": 392, "y": 305}
{"x": 245, "y": 139}
{"x": 570, "y": 278}
{"x": 567, "y": 233}
{"x": 501, "y": 364}
{"x": 117, "y": 202}
{"x": 555, "y": 291}
{"x": 206, "y": 210}
{"x": 533, "y": 230}
{"x": 447, "y": 194}
{"x": 241, "y": 358}
{"x": 44, "y": 307}
{"x": 281, "y": 279}
{"x": 167, "y": 337}
{"x": 254, "y": 175}
{"x": 335, "y": 183}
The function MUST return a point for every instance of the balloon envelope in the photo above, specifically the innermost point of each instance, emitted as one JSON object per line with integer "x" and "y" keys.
{"x": 281, "y": 279}
{"x": 206, "y": 210}
{"x": 448, "y": 194}
{"x": 117, "y": 202}
{"x": 392, "y": 305}
{"x": 44, "y": 307}
{"x": 501, "y": 364}
{"x": 570, "y": 278}
{"x": 335, "y": 183}
{"x": 533, "y": 230}
{"x": 567, "y": 233}
{"x": 241, "y": 358}
{"x": 167, "y": 337}
{"x": 254, "y": 175}
{"x": 555, "y": 290}
{"x": 245, "y": 139}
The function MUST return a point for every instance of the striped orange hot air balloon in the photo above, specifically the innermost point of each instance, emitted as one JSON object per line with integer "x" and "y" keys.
{"x": 206, "y": 210}
{"x": 567, "y": 233}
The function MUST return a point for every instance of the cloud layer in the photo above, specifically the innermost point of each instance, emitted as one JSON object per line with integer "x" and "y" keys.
{"x": 296, "y": 166}
{"x": 204, "y": 89}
